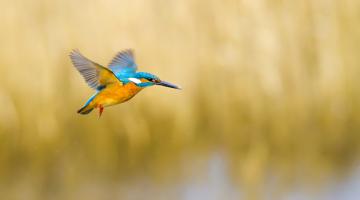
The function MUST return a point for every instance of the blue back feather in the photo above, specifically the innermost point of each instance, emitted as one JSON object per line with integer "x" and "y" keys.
{"x": 90, "y": 99}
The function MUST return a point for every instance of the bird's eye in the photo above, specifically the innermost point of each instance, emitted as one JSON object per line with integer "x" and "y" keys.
{"x": 154, "y": 80}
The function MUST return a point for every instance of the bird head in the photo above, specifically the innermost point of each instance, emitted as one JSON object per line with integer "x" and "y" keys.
{"x": 144, "y": 79}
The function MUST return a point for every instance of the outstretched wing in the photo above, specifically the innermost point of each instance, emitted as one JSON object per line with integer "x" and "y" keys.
{"x": 123, "y": 63}
{"x": 95, "y": 75}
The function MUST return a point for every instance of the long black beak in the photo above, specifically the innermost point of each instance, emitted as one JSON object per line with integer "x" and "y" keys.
{"x": 167, "y": 84}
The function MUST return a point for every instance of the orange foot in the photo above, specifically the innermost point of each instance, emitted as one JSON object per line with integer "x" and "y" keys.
{"x": 101, "y": 109}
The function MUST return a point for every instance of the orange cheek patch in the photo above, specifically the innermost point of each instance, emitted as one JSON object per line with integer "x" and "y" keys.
{"x": 144, "y": 80}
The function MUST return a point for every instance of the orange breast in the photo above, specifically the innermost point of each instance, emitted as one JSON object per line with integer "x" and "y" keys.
{"x": 116, "y": 93}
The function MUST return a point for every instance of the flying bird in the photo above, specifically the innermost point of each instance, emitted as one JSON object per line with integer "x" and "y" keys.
{"x": 117, "y": 83}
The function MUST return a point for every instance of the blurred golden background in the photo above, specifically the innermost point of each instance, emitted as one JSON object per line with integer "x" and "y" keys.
{"x": 270, "y": 105}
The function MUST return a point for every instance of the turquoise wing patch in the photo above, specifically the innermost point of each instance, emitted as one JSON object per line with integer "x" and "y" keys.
{"x": 123, "y": 63}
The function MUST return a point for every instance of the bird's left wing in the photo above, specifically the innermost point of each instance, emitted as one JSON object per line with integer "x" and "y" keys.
{"x": 95, "y": 75}
{"x": 123, "y": 63}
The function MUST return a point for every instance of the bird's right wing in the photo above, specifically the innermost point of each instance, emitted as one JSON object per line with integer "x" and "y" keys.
{"x": 95, "y": 75}
{"x": 123, "y": 64}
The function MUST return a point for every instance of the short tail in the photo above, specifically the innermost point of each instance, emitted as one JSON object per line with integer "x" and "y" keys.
{"x": 85, "y": 110}
{"x": 88, "y": 107}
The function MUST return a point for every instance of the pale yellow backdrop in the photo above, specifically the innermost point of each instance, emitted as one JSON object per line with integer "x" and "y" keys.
{"x": 271, "y": 92}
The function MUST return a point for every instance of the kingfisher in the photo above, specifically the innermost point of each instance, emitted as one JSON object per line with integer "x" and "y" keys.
{"x": 115, "y": 84}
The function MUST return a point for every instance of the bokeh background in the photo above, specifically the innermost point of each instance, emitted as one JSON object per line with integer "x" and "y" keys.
{"x": 270, "y": 106}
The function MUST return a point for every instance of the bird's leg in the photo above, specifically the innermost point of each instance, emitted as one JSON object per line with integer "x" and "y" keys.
{"x": 101, "y": 109}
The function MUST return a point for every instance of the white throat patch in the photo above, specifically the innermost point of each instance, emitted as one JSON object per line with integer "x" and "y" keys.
{"x": 135, "y": 80}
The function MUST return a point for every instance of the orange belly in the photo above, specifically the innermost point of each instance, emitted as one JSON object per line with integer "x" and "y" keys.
{"x": 115, "y": 94}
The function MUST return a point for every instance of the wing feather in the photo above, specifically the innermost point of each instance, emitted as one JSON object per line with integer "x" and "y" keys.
{"x": 95, "y": 75}
{"x": 123, "y": 63}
